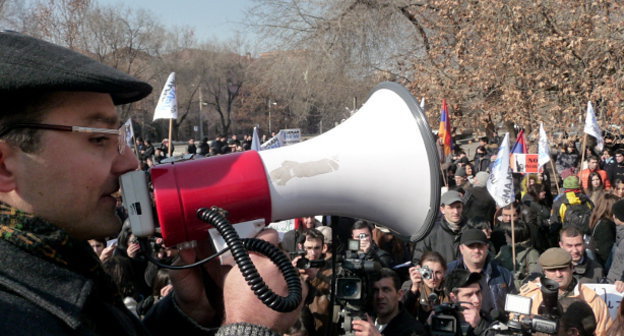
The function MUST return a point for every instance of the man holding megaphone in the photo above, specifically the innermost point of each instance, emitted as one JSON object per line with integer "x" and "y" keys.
{"x": 61, "y": 154}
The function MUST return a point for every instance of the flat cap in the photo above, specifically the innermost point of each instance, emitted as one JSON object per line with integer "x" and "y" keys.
{"x": 450, "y": 197}
{"x": 555, "y": 257}
{"x": 28, "y": 64}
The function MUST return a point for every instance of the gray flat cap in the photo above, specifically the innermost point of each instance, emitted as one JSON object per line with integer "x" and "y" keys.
{"x": 28, "y": 64}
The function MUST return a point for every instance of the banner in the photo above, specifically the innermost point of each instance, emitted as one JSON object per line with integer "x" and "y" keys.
{"x": 129, "y": 133}
{"x": 543, "y": 150}
{"x": 592, "y": 128}
{"x": 284, "y": 137}
{"x": 500, "y": 183}
{"x": 610, "y": 296}
{"x": 525, "y": 163}
{"x": 167, "y": 107}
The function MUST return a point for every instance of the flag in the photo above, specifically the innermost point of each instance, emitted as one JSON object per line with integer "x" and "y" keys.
{"x": 592, "y": 128}
{"x": 520, "y": 146}
{"x": 275, "y": 142}
{"x": 129, "y": 133}
{"x": 500, "y": 182}
{"x": 167, "y": 107}
{"x": 422, "y": 104}
{"x": 444, "y": 133}
{"x": 543, "y": 149}
{"x": 255, "y": 140}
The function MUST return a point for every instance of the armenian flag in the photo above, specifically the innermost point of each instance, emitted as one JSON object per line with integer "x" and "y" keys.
{"x": 444, "y": 133}
{"x": 520, "y": 146}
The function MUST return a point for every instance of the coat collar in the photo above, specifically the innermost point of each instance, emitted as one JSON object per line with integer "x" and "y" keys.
{"x": 57, "y": 290}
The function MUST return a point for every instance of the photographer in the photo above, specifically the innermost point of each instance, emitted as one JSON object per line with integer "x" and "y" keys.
{"x": 363, "y": 231}
{"x": 464, "y": 289}
{"x": 425, "y": 288}
{"x": 390, "y": 317}
{"x": 557, "y": 265}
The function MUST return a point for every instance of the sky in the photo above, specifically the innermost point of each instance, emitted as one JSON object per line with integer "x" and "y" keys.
{"x": 211, "y": 19}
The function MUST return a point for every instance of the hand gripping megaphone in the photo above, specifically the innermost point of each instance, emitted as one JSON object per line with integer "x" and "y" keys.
{"x": 381, "y": 164}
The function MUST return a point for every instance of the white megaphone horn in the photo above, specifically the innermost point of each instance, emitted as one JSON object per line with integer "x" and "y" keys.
{"x": 381, "y": 165}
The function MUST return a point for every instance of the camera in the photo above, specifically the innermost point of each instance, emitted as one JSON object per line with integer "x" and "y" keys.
{"x": 446, "y": 320}
{"x": 426, "y": 272}
{"x": 305, "y": 263}
{"x": 522, "y": 323}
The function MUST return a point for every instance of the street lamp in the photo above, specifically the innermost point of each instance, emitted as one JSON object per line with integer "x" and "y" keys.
{"x": 201, "y": 124}
{"x": 270, "y": 103}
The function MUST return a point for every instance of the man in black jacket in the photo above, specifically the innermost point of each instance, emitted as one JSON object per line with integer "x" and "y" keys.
{"x": 445, "y": 235}
{"x": 54, "y": 102}
{"x": 390, "y": 317}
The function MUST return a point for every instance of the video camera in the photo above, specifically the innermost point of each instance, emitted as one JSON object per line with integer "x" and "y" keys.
{"x": 446, "y": 320}
{"x": 352, "y": 286}
{"x": 305, "y": 263}
{"x": 522, "y": 322}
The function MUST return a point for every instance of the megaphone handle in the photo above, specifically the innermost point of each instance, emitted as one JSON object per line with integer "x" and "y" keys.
{"x": 239, "y": 249}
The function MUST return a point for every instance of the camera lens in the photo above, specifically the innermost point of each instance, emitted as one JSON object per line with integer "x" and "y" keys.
{"x": 349, "y": 288}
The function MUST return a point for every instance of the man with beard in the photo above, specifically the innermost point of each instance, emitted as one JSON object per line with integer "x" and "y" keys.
{"x": 496, "y": 280}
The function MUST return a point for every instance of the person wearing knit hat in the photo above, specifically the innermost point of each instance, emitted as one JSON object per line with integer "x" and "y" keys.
{"x": 62, "y": 152}
{"x": 557, "y": 265}
{"x": 461, "y": 178}
{"x": 572, "y": 207}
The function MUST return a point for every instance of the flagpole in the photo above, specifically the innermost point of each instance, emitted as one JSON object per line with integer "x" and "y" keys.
{"x": 555, "y": 176}
{"x": 583, "y": 153}
{"x": 443, "y": 176}
{"x": 513, "y": 239}
{"x": 170, "y": 139}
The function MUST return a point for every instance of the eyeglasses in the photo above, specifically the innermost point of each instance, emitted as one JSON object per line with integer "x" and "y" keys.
{"x": 122, "y": 133}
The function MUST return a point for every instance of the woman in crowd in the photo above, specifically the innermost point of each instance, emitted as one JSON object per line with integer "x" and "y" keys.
{"x": 425, "y": 289}
{"x": 618, "y": 188}
{"x": 470, "y": 172}
{"x": 602, "y": 229}
{"x": 595, "y": 187}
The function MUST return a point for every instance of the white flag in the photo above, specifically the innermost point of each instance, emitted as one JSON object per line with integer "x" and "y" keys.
{"x": 500, "y": 183}
{"x": 129, "y": 133}
{"x": 422, "y": 104}
{"x": 167, "y": 107}
{"x": 255, "y": 140}
{"x": 591, "y": 126}
{"x": 275, "y": 142}
{"x": 543, "y": 149}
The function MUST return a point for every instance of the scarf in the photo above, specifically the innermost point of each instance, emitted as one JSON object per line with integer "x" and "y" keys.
{"x": 46, "y": 241}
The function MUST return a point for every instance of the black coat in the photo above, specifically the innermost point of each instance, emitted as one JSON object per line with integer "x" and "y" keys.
{"x": 404, "y": 324}
{"x": 38, "y": 297}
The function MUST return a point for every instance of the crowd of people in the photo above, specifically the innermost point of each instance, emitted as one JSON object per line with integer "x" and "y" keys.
{"x": 71, "y": 267}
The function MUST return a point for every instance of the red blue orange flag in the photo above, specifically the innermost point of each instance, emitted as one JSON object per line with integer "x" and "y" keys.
{"x": 520, "y": 146}
{"x": 444, "y": 133}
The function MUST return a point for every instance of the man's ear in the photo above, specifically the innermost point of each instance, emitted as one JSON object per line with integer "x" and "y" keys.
{"x": 7, "y": 167}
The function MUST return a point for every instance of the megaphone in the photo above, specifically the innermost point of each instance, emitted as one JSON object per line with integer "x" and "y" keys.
{"x": 381, "y": 164}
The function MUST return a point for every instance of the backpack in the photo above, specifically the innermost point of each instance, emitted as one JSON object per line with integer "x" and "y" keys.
{"x": 577, "y": 215}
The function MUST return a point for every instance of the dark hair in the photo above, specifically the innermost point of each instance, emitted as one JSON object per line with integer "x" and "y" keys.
{"x": 479, "y": 223}
{"x": 521, "y": 231}
{"x": 535, "y": 189}
{"x": 24, "y": 107}
{"x": 388, "y": 273}
{"x": 161, "y": 279}
{"x": 590, "y": 186}
{"x": 121, "y": 271}
{"x": 484, "y": 139}
{"x": 570, "y": 231}
{"x": 433, "y": 256}
{"x": 361, "y": 224}
{"x": 312, "y": 234}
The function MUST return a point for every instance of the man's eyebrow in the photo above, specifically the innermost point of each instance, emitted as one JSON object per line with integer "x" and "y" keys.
{"x": 101, "y": 118}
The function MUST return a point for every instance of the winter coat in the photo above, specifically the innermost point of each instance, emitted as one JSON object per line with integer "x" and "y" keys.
{"x": 500, "y": 282}
{"x": 602, "y": 240}
{"x": 442, "y": 240}
{"x": 616, "y": 272}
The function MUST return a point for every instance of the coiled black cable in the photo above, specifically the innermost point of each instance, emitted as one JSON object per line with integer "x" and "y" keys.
{"x": 239, "y": 248}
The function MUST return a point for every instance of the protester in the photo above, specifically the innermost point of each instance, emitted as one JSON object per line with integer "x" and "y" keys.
{"x": 526, "y": 258}
{"x": 496, "y": 280}
{"x": 390, "y": 318}
{"x": 465, "y": 289}
{"x": 595, "y": 187}
{"x": 603, "y": 229}
{"x": 421, "y": 294}
{"x": 615, "y": 171}
{"x": 593, "y": 167}
{"x": 444, "y": 237}
{"x": 571, "y": 208}
{"x": 557, "y": 266}
{"x": 586, "y": 270}
{"x": 52, "y": 203}
{"x": 536, "y": 214}
{"x": 616, "y": 272}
